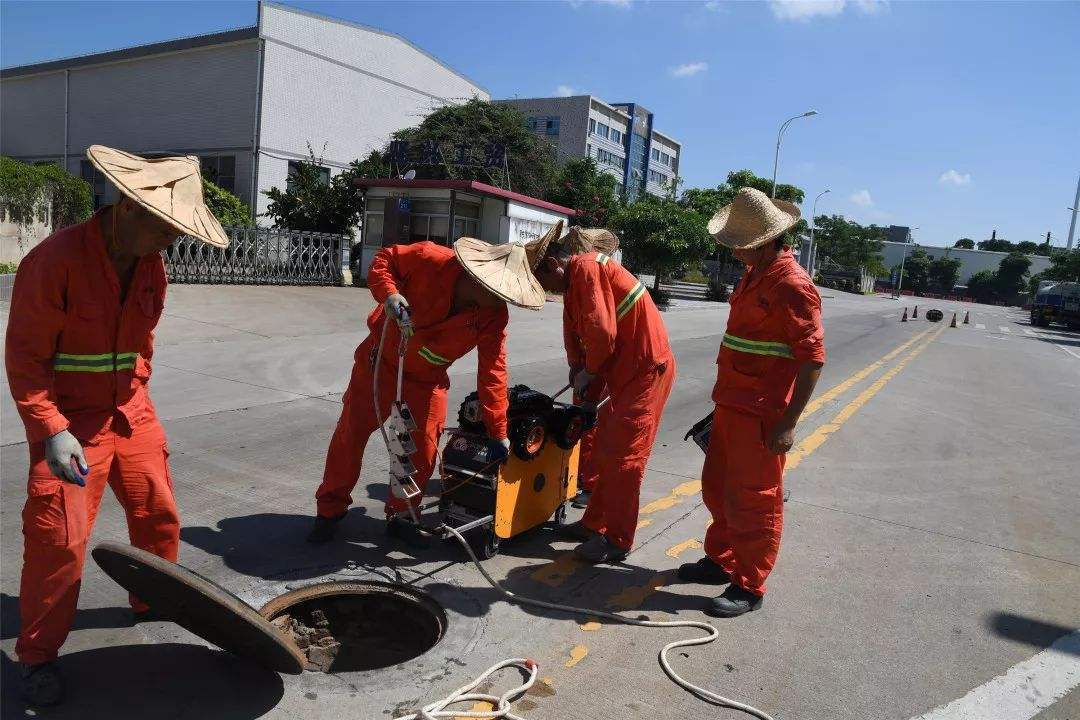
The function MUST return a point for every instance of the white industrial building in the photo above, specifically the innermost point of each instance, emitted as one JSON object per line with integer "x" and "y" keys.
{"x": 971, "y": 261}
{"x": 248, "y": 102}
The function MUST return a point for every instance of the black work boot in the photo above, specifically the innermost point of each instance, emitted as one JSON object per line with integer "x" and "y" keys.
{"x": 577, "y": 531}
{"x": 581, "y": 500}
{"x": 733, "y": 602}
{"x": 408, "y": 532}
{"x": 42, "y": 685}
{"x": 324, "y": 529}
{"x": 704, "y": 571}
{"x": 599, "y": 549}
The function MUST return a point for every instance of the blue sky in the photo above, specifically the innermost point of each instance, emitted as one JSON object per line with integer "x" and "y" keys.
{"x": 958, "y": 118}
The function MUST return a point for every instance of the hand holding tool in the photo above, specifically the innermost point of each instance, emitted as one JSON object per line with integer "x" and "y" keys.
{"x": 65, "y": 458}
{"x": 397, "y": 307}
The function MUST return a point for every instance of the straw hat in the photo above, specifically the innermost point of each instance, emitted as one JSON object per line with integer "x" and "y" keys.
{"x": 583, "y": 240}
{"x": 752, "y": 220}
{"x": 502, "y": 269}
{"x": 536, "y": 249}
{"x": 168, "y": 187}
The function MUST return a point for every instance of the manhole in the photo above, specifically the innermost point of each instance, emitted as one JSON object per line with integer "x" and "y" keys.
{"x": 344, "y": 627}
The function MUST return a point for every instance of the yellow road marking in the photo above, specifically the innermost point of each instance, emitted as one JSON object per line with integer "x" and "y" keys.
{"x": 478, "y": 706}
{"x": 644, "y": 523}
{"x": 834, "y": 392}
{"x": 634, "y": 595}
{"x": 682, "y": 547}
{"x": 556, "y": 572}
{"x": 822, "y": 432}
{"x": 577, "y": 654}
{"x": 674, "y": 498}
{"x": 590, "y": 626}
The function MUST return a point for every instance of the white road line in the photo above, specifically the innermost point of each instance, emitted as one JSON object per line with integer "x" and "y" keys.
{"x": 1068, "y": 350}
{"x": 980, "y": 326}
{"x": 1028, "y": 332}
{"x": 1004, "y": 329}
{"x": 887, "y": 316}
{"x": 1024, "y": 691}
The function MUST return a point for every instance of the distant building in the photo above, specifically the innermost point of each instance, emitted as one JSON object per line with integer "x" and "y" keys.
{"x": 971, "y": 261}
{"x": 898, "y": 234}
{"x": 247, "y": 102}
{"x": 620, "y": 137}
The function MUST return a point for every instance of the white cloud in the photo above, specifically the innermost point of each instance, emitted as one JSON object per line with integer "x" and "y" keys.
{"x": 951, "y": 177}
{"x": 806, "y": 10}
{"x": 714, "y": 6}
{"x": 689, "y": 69}
{"x": 861, "y": 198}
{"x": 575, "y": 4}
{"x": 564, "y": 91}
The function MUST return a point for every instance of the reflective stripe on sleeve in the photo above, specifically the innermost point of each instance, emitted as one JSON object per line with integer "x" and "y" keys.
{"x": 105, "y": 362}
{"x": 628, "y": 302}
{"x": 432, "y": 357}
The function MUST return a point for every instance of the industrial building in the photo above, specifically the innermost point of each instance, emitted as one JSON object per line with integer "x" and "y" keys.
{"x": 620, "y": 137}
{"x": 248, "y": 102}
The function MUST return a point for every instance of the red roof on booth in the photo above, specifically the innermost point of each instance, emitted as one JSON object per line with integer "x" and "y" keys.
{"x": 471, "y": 186}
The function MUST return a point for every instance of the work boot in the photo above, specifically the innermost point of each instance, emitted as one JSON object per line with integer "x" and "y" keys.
{"x": 599, "y": 549}
{"x": 733, "y": 602}
{"x": 581, "y": 500}
{"x": 577, "y": 531}
{"x": 408, "y": 532}
{"x": 324, "y": 529}
{"x": 704, "y": 572}
{"x": 42, "y": 685}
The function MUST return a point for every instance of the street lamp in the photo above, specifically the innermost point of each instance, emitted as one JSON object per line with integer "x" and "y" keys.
{"x": 812, "y": 249}
{"x": 779, "y": 136}
{"x": 903, "y": 259}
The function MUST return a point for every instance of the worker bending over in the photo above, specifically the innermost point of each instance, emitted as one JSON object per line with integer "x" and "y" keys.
{"x": 615, "y": 339}
{"x": 79, "y": 342}
{"x": 455, "y": 300}
{"x": 770, "y": 359}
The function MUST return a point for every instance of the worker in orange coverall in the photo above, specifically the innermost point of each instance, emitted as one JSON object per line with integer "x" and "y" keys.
{"x": 456, "y": 301}
{"x": 79, "y": 343}
{"x": 615, "y": 338}
{"x": 769, "y": 362}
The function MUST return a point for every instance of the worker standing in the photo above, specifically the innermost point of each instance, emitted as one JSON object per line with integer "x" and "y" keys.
{"x": 614, "y": 339}
{"x": 79, "y": 344}
{"x": 454, "y": 300}
{"x": 769, "y": 362}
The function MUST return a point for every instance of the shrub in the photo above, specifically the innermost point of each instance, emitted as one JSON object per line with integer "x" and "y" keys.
{"x": 226, "y": 207}
{"x": 662, "y": 298}
{"x": 7, "y": 268}
{"x": 26, "y": 190}
{"x": 695, "y": 276}
{"x": 717, "y": 291}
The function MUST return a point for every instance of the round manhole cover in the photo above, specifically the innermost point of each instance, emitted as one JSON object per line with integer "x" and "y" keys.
{"x": 934, "y": 315}
{"x": 356, "y": 626}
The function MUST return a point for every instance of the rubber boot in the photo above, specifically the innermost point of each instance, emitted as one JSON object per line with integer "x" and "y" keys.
{"x": 733, "y": 602}
{"x": 704, "y": 571}
{"x": 324, "y": 529}
{"x": 42, "y": 685}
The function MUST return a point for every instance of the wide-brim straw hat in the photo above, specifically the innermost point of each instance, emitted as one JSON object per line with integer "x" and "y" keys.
{"x": 502, "y": 269}
{"x": 169, "y": 187}
{"x": 752, "y": 220}
{"x": 536, "y": 249}
{"x": 583, "y": 240}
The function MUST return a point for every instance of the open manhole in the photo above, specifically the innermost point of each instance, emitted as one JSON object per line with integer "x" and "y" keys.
{"x": 344, "y": 626}
{"x": 329, "y": 627}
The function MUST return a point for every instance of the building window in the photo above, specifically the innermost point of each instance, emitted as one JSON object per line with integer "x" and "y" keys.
{"x": 616, "y": 136}
{"x": 592, "y": 125}
{"x": 220, "y": 170}
{"x": 530, "y": 123}
{"x": 294, "y": 168}
{"x": 665, "y": 159}
{"x": 608, "y": 158}
{"x": 603, "y": 130}
{"x": 658, "y": 178}
{"x": 552, "y": 126}
{"x": 588, "y": 150}
{"x": 98, "y": 183}
{"x": 655, "y": 154}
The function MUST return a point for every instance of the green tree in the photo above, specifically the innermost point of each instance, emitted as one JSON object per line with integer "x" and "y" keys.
{"x": 997, "y": 245}
{"x": 1064, "y": 266}
{"x": 981, "y": 286}
{"x": 965, "y": 243}
{"x": 943, "y": 274}
{"x": 850, "y": 244}
{"x": 581, "y": 185}
{"x": 226, "y": 207}
{"x": 1012, "y": 275}
{"x": 311, "y": 203}
{"x": 1027, "y": 247}
{"x": 476, "y": 125}
{"x": 27, "y": 191}
{"x": 916, "y": 271}
{"x": 660, "y": 234}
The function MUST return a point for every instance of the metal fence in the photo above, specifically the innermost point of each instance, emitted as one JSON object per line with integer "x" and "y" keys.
{"x": 260, "y": 256}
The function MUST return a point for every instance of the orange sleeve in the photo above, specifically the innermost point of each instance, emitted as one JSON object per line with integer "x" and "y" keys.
{"x": 593, "y": 309}
{"x": 385, "y": 273}
{"x": 574, "y": 356}
{"x": 491, "y": 376}
{"x": 38, "y": 311}
{"x": 801, "y": 306}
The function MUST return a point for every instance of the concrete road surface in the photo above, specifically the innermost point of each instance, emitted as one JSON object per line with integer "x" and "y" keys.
{"x": 930, "y": 564}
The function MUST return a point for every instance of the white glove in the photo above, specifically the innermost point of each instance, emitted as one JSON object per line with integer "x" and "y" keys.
{"x": 59, "y": 450}
{"x": 397, "y": 307}
{"x": 582, "y": 381}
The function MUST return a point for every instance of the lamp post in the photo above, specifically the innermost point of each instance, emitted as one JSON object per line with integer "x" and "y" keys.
{"x": 812, "y": 249}
{"x": 900, "y": 280}
{"x": 779, "y": 137}
{"x": 1072, "y": 223}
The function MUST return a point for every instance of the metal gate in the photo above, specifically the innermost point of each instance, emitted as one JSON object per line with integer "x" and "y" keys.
{"x": 260, "y": 256}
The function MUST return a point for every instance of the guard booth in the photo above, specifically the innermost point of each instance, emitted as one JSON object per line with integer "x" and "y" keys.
{"x": 407, "y": 211}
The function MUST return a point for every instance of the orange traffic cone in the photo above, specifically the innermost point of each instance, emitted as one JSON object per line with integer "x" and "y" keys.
{"x": 904, "y": 319}
{"x": 953, "y": 323}
{"x": 967, "y": 317}
{"x": 915, "y": 314}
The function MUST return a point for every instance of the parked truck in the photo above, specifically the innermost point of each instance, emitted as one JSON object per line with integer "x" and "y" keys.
{"x": 1056, "y": 302}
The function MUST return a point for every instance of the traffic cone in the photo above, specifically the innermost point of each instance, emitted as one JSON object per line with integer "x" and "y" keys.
{"x": 904, "y": 319}
{"x": 915, "y": 314}
{"x": 953, "y": 323}
{"x": 967, "y": 317}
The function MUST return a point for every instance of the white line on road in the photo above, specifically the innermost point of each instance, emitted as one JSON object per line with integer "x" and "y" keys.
{"x": 1024, "y": 690}
{"x": 1004, "y": 329}
{"x": 887, "y": 316}
{"x": 1028, "y": 332}
{"x": 980, "y": 326}
{"x": 1071, "y": 352}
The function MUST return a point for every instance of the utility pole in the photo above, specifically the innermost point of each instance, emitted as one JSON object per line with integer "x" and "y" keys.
{"x": 779, "y": 137}
{"x": 1072, "y": 223}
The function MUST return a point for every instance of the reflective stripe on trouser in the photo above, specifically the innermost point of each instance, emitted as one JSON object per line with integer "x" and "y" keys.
{"x": 105, "y": 362}
{"x": 756, "y": 347}
{"x": 624, "y": 440}
{"x": 58, "y": 517}
{"x": 432, "y": 357}
{"x": 345, "y": 455}
{"x": 741, "y": 485}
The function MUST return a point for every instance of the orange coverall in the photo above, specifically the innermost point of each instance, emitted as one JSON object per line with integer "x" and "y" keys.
{"x": 612, "y": 329}
{"x": 425, "y": 274}
{"x": 773, "y": 328}
{"x": 79, "y": 359}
